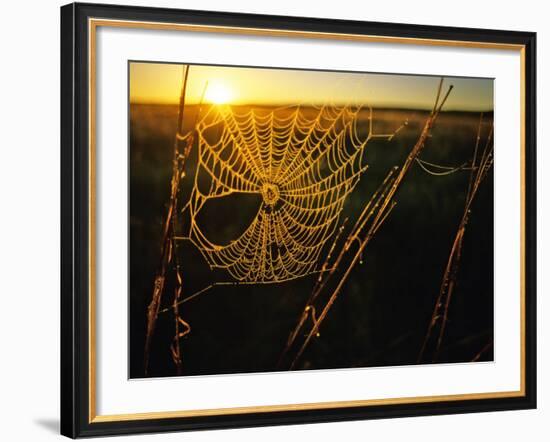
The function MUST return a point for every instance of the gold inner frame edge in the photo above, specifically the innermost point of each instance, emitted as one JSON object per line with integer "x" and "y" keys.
{"x": 92, "y": 28}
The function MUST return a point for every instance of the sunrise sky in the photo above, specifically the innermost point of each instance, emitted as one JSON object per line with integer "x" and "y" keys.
{"x": 161, "y": 83}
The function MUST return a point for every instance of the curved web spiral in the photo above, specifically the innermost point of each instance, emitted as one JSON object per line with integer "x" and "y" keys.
{"x": 302, "y": 161}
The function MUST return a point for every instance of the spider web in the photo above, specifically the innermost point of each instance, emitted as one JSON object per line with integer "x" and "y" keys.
{"x": 302, "y": 161}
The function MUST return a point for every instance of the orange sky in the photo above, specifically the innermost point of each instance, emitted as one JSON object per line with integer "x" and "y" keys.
{"x": 161, "y": 83}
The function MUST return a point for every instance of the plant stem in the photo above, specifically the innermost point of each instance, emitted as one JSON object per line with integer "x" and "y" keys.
{"x": 167, "y": 232}
{"x": 383, "y": 209}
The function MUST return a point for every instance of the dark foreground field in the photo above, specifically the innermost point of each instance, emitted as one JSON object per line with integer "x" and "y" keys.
{"x": 383, "y": 314}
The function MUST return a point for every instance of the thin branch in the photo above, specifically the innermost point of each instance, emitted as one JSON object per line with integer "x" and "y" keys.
{"x": 382, "y": 209}
{"x": 487, "y": 347}
{"x": 324, "y": 278}
{"x": 167, "y": 243}
{"x": 440, "y": 313}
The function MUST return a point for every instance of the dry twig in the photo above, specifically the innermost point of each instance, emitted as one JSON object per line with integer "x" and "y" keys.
{"x": 439, "y": 319}
{"x": 374, "y": 214}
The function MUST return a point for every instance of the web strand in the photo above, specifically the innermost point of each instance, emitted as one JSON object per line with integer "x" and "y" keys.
{"x": 302, "y": 161}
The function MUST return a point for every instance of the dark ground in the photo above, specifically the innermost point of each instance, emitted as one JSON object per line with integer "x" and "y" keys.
{"x": 382, "y": 315}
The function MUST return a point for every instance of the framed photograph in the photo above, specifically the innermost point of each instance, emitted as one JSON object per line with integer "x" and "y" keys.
{"x": 279, "y": 220}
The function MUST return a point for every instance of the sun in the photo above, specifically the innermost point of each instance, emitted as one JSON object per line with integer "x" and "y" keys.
{"x": 218, "y": 93}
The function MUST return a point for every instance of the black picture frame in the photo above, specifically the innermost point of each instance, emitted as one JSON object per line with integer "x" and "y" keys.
{"x": 77, "y": 419}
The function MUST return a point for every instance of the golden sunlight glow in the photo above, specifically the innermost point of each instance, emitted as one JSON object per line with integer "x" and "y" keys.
{"x": 160, "y": 83}
{"x": 218, "y": 94}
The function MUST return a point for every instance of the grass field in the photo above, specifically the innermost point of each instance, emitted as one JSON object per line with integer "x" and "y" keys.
{"x": 383, "y": 313}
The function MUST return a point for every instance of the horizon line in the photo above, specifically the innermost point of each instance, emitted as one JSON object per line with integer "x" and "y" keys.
{"x": 286, "y": 104}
